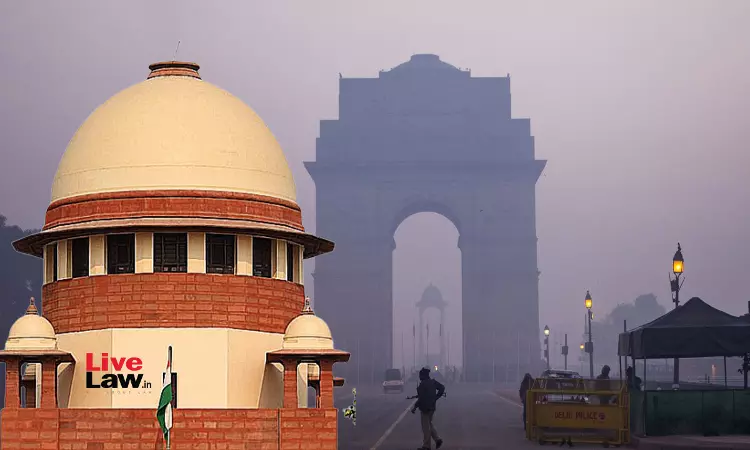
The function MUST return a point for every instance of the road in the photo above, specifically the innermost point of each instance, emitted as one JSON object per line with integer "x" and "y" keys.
{"x": 471, "y": 417}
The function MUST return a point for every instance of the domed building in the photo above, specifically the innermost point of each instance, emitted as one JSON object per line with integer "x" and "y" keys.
{"x": 173, "y": 228}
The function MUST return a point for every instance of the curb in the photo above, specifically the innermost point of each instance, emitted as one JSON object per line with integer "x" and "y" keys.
{"x": 686, "y": 443}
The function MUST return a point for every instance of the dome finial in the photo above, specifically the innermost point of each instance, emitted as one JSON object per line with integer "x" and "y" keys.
{"x": 31, "y": 310}
{"x": 174, "y": 69}
{"x": 307, "y": 309}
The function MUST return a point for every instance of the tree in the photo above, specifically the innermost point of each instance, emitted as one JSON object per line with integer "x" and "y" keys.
{"x": 606, "y": 331}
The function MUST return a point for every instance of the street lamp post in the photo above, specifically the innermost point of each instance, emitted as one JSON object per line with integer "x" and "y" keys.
{"x": 590, "y": 344}
{"x": 546, "y": 345}
{"x": 565, "y": 351}
{"x": 678, "y": 263}
{"x": 580, "y": 357}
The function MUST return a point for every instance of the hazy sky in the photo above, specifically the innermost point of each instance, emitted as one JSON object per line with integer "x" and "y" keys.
{"x": 640, "y": 107}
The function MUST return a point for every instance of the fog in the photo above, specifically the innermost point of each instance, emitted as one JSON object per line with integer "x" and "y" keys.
{"x": 640, "y": 108}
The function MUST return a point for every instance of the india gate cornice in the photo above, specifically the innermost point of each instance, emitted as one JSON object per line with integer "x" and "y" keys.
{"x": 530, "y": 169}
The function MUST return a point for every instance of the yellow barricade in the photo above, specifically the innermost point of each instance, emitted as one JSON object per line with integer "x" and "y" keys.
{"x": 578, "y": 411}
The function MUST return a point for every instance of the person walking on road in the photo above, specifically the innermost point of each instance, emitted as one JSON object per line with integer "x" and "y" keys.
{"x": 525, "y": 386}
{"x": 428, "y": 392}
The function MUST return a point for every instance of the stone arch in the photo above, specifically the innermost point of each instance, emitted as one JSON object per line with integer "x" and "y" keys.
{"x": 417, "y": 206}
{"x": 396, "y": 151}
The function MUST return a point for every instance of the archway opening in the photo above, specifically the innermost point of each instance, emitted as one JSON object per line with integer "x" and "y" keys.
{"x": 427, "y": 278}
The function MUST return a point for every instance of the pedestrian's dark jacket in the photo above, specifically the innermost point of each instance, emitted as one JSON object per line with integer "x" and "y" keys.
{"x": 525, "y": 386}
{"x": 634, "y": 383}
{"x": 428, "y": 392}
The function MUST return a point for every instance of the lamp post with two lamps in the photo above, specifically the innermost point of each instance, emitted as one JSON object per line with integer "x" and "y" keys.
{"x": 678, "y": 263}
{"x": 546, "y": 345}
{"x": 590, "y": 344}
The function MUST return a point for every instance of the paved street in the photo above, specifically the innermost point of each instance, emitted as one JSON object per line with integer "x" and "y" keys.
{"x": 470, "y": 417}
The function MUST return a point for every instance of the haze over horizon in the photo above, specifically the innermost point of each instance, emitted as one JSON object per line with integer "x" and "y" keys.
{"x": 639, "y": 107}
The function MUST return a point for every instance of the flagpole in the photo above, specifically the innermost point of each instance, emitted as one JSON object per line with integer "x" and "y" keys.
{"x": 169, "y": 359}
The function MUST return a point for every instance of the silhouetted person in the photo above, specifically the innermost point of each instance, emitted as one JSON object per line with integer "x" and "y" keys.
{"x": 634, "y": 381}
{"x": 428, "y": 392}
{"x": 602, "y": 384}
{"x": 525, "y": 386}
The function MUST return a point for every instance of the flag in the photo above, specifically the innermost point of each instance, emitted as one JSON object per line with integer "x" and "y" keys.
{"x": 164, "y": 411}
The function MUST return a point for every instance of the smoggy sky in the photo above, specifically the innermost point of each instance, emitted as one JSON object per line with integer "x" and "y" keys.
{"x": 640, "y": 108}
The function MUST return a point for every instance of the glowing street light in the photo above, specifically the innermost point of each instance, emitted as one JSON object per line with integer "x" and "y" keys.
{"x": 678, "y": 261}
{"x": 589, "y": 301}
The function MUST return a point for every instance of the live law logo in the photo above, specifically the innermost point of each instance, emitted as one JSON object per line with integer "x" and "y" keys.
{"x": 111, "y": 370}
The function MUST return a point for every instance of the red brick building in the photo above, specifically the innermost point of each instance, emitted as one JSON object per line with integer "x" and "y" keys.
{"x": 173, "y": 224}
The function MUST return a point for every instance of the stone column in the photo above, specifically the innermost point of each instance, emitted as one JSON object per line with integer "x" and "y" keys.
{"x": 325, "y": 389}
{"x": 290, "y": 383}
{"x": 12, "y": 384}
{"x": 49, "y": 384}
{"x": 500, "y": 292}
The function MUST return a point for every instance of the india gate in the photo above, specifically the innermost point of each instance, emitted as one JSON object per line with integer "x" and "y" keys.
{"x": 426, "y": 136}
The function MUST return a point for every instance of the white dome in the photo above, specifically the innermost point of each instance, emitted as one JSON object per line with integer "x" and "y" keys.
{"x": 31, "y": 332}
{"x": 307, "y": 332}
{"x": 173, "y": 133}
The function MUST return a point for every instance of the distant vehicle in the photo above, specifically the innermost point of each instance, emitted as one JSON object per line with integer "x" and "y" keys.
{"x": 393, "y": 381}
{"x": 552, "y": 373}
{"x": 563, "y": 379}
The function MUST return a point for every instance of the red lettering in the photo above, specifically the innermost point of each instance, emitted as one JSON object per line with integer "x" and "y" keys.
{"x": 90, "y": 363}
{"x": 117, "y": 363}
{"x": 134, "y": 364}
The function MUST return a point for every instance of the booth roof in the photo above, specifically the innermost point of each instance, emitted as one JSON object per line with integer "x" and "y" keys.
{"x": 693, "y": 330}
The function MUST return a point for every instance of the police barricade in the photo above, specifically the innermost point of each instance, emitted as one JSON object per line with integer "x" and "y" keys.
{"x": 578, "y": 411}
